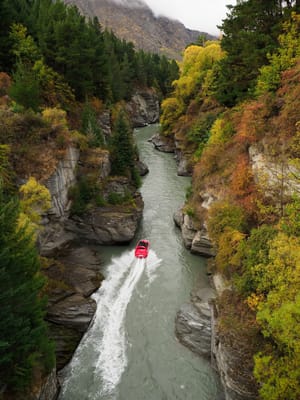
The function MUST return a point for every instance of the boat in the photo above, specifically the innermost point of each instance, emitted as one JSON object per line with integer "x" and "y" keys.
{"x": 142, "y": 248}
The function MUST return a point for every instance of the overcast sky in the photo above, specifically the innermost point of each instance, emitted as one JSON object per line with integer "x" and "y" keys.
{"x": 203, "y": 15}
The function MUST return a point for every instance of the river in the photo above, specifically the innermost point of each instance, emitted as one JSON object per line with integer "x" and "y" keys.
{"x": 130, "y": 351}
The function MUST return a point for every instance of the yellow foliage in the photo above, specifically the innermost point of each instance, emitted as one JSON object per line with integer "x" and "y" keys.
{"x": 56, "y": 117}
{"x": 220, "y": 132}
{"x": 35, "y": 199}
{"x": 197, "y": 63}
{"x": 171, "y": 110}
{"x": 254, "y": 300}
{"x": 227, "y": 258}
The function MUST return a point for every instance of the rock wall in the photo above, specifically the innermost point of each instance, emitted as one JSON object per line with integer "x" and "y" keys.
{"x": 143, "y": 108}
{"x": 59, "y": 183}
{"x": 195, "y": 240}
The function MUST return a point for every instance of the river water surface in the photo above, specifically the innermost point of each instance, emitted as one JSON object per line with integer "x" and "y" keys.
{"x": 130, "y": 351}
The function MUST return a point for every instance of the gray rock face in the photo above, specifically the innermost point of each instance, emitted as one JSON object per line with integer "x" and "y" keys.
{"x": 50, "y": 387}
{"x": 237, "y": 379}
{"x": 183, "y": 168}
{"x": 193, "y": 323}
{"x": 53, "y": 239}
{"x": 60, "y": 182}
{"x": 202, "y": 245}
{"x": 193, "y": 330}
{"x": 108, "y": 225}
{"x": 197, "y": 241}
{"x": 162, "y": 143}
{"x": 143, "y": 108}
{"x": 105, "y": 123}
{"x": 142, "y": 168}
{"x": 74, "y": 312}
{"x": 75, "y": 276}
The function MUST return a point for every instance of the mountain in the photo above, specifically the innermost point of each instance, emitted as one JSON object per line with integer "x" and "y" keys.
{"x": 134, "y": 21}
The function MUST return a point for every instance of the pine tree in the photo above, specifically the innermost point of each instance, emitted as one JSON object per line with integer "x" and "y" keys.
{"x": 250, "y": 33}
{"x": 23, "y": 335}
{"x": 122, "y": 147}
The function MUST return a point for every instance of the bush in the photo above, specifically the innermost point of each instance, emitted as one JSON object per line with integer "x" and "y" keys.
{"x": 224, "y": 215}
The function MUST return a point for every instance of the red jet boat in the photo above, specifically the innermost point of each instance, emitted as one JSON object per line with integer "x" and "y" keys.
{"x": 142, "y": 249}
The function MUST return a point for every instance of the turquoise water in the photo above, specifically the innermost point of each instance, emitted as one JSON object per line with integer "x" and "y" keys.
{"x": 130, "y": 351}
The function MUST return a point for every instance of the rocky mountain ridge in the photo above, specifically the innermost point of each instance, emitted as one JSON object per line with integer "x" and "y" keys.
{"x": 135, "y": 22}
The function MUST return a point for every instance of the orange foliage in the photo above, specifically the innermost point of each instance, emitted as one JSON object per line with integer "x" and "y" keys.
{"x": 5, "y": 83}
{"x": 242, "y": 178}
{"x": 97, "y": 104}
{"x": 242, "y": 186}
{"x": 289, "y": 101}
{"x": 252, "y": 125}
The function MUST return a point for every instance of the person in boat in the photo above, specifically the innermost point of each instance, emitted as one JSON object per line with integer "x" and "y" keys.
{"x": 143, "y": 244}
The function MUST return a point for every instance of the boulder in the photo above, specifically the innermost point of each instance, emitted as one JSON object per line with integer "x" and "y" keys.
{"x": 202, "y": 245}
{"x": 108, "y": 225}
{"x": 183, "y": 168}
{"x": 75, "y": 312}
{"x": 193, "y": 323}
{"x": 188, "y": 231}
{"x": 178, "y": 217}
{"x": 142, "y": 168}
{"x": 163, "y": 143}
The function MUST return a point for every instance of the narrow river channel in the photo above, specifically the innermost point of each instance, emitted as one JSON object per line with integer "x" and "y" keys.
{"x": 130, "y": 351}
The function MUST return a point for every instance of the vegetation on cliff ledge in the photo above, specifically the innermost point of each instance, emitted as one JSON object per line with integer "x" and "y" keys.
{"x": 238, "y": 116}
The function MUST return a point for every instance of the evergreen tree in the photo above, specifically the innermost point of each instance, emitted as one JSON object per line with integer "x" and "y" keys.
{"x": 123, "y": 152}
{"x": 250, "y": 33}
{"x": 23, "y": 335}
{"x": 25, "y": 89}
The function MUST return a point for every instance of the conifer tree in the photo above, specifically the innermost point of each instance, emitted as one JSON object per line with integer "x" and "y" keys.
{"x": 122, "y": 147}
{"x": 23, "y": 334}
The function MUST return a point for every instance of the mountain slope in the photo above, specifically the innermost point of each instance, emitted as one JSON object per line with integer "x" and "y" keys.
{"x": 134, "y": 21}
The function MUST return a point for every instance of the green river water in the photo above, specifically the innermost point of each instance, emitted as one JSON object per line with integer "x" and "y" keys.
{"x": 130, "y": 351}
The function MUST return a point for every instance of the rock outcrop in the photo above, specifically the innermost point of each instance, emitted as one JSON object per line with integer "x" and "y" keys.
{"x": 72, "y": 279}
{"x": 48, "y": 389}
{"x": 59, "y": 183}
{"x": 143, "y": 108}
{"x": 193, "y": 323}
{"x": 108, "y": 225}
{"x": 194, "y": 239}
{"x": 163, "y": 143}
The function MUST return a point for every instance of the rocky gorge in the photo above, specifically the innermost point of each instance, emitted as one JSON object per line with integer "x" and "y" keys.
{"x": 71, "y": 264}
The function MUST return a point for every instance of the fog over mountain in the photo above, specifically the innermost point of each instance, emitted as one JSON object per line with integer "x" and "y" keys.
{"x": 134, "y": 21}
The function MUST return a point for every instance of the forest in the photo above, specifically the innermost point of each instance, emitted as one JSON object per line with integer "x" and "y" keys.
{"x": 235, "y": 111}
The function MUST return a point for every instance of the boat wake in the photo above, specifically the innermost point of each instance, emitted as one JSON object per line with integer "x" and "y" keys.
{"x": 105, "y": 342}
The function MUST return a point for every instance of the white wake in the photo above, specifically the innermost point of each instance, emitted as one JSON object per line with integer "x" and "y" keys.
{"x": 112, "y": 359}
{"x": 101, "y": 358}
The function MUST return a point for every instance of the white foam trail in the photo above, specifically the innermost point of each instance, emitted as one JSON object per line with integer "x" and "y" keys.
{"x": 152, "y": 262}
{"x": 101, "y": 358}
{"x": 112, "y": 360}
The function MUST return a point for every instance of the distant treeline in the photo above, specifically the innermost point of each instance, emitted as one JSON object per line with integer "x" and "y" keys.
{"x": 92, "y": 61}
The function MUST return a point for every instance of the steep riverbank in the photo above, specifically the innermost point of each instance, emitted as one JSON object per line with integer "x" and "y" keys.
{"x": 156, "y": 366}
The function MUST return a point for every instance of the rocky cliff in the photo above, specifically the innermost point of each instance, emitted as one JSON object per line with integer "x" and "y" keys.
{"x": 135, "y": 22}
{"x": 72, "y": 266}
